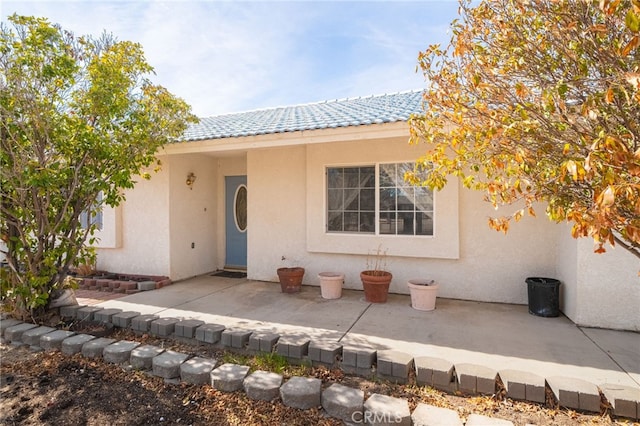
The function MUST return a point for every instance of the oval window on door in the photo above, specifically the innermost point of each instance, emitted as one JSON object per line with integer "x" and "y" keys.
{"x": 240, "y": 208}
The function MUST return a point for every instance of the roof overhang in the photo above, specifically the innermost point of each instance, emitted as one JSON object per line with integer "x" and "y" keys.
{"x": 306, "y": 137}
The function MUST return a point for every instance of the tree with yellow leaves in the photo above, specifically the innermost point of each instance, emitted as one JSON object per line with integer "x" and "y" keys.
{"x": 539, "y": 101}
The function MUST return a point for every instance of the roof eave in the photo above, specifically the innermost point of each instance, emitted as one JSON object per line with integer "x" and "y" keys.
{"x": 305, "y": 137}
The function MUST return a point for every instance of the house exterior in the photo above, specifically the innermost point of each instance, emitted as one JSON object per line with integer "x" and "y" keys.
{"x": 319, "y": 186}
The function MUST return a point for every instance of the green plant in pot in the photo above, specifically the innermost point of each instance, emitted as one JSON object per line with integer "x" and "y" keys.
{"x": 375, "y": 279}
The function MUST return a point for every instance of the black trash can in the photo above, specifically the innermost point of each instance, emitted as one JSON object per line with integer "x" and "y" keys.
{"x": 544, "y": 296}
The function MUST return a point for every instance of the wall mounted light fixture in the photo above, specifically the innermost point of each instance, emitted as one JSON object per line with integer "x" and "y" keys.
{"x": 191, "y": 178}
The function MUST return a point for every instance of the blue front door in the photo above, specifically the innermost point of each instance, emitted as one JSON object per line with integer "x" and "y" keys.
{"x": 236, "y": 221}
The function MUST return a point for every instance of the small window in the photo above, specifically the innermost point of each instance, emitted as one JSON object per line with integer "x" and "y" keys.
{"x": 404, "y": 209}
{"x": 400, "y": 208}
{"x": 240, "y": 208}
{"x": 88, "y": 218}
{"x": 351, "y": 202}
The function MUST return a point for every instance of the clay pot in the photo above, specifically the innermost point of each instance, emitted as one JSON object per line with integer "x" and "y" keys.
{"x": 376, "y": 285}
{"x": 331, "y": 284}
{"x": 423, "y": 294}
{"x": 290, "y": 279}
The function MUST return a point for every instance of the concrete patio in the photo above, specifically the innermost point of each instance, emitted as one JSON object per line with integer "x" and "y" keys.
{"x": 498, "y": 336}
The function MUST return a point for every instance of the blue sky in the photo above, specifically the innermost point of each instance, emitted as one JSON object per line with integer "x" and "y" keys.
{"x": 223, "y": 56}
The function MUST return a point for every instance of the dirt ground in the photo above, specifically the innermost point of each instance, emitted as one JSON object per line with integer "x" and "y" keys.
{"x": 52, "y": 388}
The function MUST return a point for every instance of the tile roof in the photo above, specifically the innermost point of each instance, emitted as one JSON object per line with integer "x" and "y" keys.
{"x": 346, "y": 112}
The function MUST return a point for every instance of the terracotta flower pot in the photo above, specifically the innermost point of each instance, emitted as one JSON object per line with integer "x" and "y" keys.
{"x": 376, "y": 285}
{"x": 290, "y": 279}
{"x": 423, "y": 294}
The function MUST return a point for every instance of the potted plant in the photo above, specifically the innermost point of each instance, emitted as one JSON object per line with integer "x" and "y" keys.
{"x": 331, "y": 284}
{"x": 375, "y": 280}
{"x": 423, "y": 294}
{"x": 290, "y": 278}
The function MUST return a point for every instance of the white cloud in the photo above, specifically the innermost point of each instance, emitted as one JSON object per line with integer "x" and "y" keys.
{"x": 229, "y": 56}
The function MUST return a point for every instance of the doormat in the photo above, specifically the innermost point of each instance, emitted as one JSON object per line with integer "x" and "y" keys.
{"x": 229, "y": 274}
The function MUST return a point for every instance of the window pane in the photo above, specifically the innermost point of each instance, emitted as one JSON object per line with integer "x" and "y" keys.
{"x": 368, "y": 199}
{"x": 334, "y": 178}
{"x": 424, "y": 224}
{"x": 387, "y": 223}
{"x": 405, "y": 199}
{"x": 405, "y": 223}
{"x": 352, "y": 177}
{"x": 367, "y": 177}
{"x": 402, "y": 208}
{"x": 387, "y": 199}
{"x": 399, "y": 202}
{"x": 424, "y": 199}
{"x": 387, "y": 175}
{"x": 367, "y": 222}
{"x": 334, "y": 201}
{"x": 351, "y": 199}
{"x": 351, "y": 222}
{"x": 334, "y": 222}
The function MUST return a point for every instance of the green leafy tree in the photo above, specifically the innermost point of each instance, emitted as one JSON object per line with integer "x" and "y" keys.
{"x": 79, "y": 122}
{"x": 539, "y": 100}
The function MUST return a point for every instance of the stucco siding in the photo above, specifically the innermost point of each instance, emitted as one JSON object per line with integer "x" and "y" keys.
{"x": 608, "y": 288}
{"x": 192, "y": 216}
{"x": 286, "y": 209}
{"x": 567, "y": 262}
{"x": 144, "y": 229}
{"x": 276, "y": 211}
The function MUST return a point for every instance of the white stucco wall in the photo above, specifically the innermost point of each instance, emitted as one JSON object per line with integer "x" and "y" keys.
{"x": 144, "y": 229}
{"x": 276, "y": 211}
{"x": 192, "y": 215}
{"x": 162, "y": 217}
{"x": 567, "y": 266}
{"x": 603, "y": 290}
{"x": 489, "y": 266}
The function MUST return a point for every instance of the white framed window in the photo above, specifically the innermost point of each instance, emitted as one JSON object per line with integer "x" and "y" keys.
{"x": 444, "y": 239}
{"x": 375, "y": 199}
{"x": 88, "y": 218}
